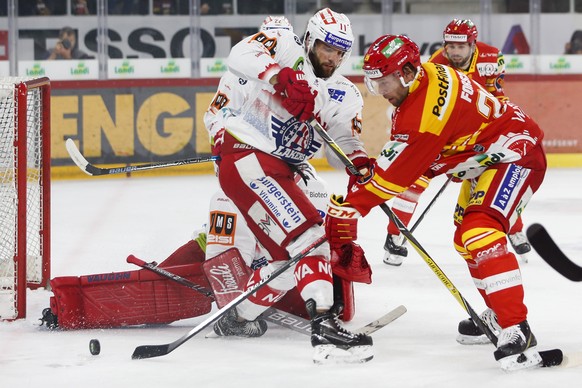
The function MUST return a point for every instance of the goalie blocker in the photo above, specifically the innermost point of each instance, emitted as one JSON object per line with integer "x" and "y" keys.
{"x": 138, "y": 297}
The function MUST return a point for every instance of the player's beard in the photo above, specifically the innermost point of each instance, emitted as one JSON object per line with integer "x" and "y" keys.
{"x": 319, "y": 69}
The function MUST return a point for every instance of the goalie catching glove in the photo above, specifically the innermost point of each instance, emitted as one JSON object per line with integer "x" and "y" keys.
{"x": 296, "y": 95}
{"x": 348, "y": 260}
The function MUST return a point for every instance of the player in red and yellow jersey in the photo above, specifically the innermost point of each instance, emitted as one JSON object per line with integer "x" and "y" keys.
{"x": 446, "y": 123}
{"x": 485, "y": 65}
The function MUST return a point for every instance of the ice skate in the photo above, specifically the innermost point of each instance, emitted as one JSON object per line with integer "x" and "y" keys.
{"x": 520, "y": 245}
{"x": 516, "y": 348}
{"x": 229, "y": 325}
{"x": 470, "y": 334}
{"x": 394, "y": 250}
{"x": 334, "y": 344}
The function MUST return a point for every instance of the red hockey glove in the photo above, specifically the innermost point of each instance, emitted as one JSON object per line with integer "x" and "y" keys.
{"x": 366, "y": 167}
{"x": 297, "y": 96}
{"x": 341, "y": 228}
{"x": 349, "y": 263}
{"x": 217, "y": 142}
{"x": 341, "y": 223}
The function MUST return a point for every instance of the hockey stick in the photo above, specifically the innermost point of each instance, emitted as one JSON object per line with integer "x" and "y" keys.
{"x": 148, "y": 351}
{"x": 549, "y": 357}
{"x": 548, "y": 250}
{"x": 432, "y": 201}
{"x": 274, "y": 315}
{"x": 93, "y": 170}
{"x": 279, "y": 317}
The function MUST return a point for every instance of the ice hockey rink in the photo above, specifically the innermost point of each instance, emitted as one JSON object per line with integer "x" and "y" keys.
{"x": 98, "y": 222}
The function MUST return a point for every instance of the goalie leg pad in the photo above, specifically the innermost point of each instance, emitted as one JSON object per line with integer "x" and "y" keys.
{"x": 127, "y": 298}
{"x": 314, "y": 280}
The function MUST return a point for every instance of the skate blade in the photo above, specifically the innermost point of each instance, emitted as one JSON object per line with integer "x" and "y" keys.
{"x": 473, "y": 339}
{"x": 393, "y": 261}
{"x": 528, "y": 359}
{"x": 524, "y": 257}
{"x": 330, "y": 354}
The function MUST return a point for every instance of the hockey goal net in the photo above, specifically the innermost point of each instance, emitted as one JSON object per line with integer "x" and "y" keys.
{"x": 24, "y": 191}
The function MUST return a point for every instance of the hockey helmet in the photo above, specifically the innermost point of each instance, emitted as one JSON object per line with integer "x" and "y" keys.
{"x": 389, "y": 54}
{"x": 460, "y": 31}
{"x": 332, "y": 28}
{"x": 275, "y": 23}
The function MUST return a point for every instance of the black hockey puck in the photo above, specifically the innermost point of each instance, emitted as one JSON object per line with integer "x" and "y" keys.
{"x": 94, "y": 347}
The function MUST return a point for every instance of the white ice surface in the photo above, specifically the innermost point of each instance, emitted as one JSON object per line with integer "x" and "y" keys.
{"x": 97, "y": 223}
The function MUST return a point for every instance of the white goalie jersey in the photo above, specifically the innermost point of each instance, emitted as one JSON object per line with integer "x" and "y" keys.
{"x": 261, "y": 121}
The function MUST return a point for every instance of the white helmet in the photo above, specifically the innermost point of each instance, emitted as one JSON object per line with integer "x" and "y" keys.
{"x": 332, "y": 28}
{"x": 276, "y": 22}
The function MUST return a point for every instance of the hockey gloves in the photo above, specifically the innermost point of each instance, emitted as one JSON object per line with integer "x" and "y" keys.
{"x": 365, "y": 166}
{"x": 348, "y": 260}
{"x": 295, "y": 92}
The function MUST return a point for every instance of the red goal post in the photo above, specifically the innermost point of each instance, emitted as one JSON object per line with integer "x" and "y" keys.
{"x": 24, "y": 191}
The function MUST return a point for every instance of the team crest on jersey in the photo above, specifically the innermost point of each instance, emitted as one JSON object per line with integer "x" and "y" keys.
{"x": 294, "y": 140}
{"x": 222, "y": 228}
{"x": 336, "y": 95}
{"x": 242, "y": 81}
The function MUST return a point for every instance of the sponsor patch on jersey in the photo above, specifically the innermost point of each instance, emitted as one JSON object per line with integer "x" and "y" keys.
{"x": 266, "y": 223}
{"x": 356, "y": 125}
{"x": 507, "y": 191}
{"x": 269, "y": 43}
{"x": 336, "y": 95}
{"x": 294, "y": 140}
{"x": 278, "y": 202}
{"x": 487, "y": 69}
{"x": 222, "y": 228}
{"x": 220, "y": 100}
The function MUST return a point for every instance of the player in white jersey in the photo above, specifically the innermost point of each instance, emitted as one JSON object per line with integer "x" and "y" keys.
{"x": 262, "y": 143}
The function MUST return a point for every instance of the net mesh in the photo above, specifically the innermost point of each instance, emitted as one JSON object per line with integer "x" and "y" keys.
{"x": 9, "y": 193}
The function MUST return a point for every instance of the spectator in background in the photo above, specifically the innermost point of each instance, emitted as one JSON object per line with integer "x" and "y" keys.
{"x": 79, "y": 7}
{"x": 164, "y": 7}
{"x": 574, "y": 46}
{"x": 66, "y": 47}
{"x": 40, "y": 8}
{"x": 215, "y": 7}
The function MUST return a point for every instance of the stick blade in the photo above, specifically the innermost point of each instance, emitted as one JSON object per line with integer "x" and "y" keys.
{"x": 545, "y": 246}
{"x": 150, "y": 351}
{"x": 553, "y": 357}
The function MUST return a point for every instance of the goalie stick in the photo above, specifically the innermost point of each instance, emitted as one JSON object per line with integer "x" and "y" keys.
{"x": 149, "y": 351}
{"x": 93, "y": 170}
{"x": 274, "y": 315}
{"x": 548, "y": 250}
{"x": 551, "y": 357}
{"x": 277, "y": 316}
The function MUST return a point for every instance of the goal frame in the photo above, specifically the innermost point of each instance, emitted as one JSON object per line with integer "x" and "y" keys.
{"x": 21, "y": 179}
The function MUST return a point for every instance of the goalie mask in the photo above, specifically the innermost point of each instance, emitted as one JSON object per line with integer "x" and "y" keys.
{"x": 276, "y": 23}
{"x": 389, "y": 54}
{"x": 333, "y": 29}
{"x": 460, "y": 31}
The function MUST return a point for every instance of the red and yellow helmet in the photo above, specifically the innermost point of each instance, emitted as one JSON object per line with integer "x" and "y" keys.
{"x": 389, "y": 53}
{"x": 460, "y": 31}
